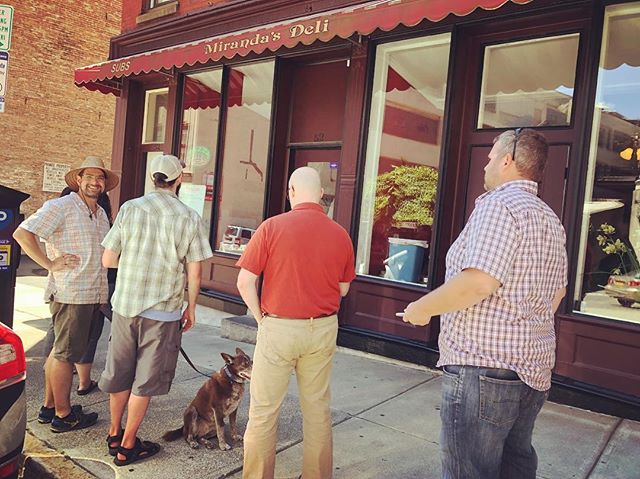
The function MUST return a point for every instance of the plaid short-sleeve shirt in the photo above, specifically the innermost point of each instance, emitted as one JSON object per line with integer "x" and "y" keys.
{"x": 66, "y": 227}
{"x": 155, "y": 235}
{"x": 516, "y": 238}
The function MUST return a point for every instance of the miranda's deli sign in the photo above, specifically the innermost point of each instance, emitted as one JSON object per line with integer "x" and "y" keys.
{"x": 296, "y": 30}
{"x": 232, "y": 44}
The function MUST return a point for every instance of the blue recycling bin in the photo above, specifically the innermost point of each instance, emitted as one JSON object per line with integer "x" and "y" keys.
{"x": 406, "y": 257}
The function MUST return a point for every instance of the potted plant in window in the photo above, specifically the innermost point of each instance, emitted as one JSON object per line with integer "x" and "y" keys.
{"x": 404, "y": 208}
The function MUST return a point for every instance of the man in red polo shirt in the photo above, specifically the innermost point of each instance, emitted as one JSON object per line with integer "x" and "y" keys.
{"x": 308, "y": 263}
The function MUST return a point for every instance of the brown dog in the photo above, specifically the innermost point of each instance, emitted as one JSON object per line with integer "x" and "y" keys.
{"x": 218, "y": 398}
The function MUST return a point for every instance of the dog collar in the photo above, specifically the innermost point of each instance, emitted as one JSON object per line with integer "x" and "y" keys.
{"x": 232, "y": 377}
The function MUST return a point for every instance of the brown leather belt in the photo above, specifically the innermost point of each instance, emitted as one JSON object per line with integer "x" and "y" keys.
{"x": 315, "y": 317}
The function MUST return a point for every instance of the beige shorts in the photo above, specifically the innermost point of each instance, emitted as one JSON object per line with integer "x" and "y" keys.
{"x": 72, "y": 328}
{"x": 142, "y": 356}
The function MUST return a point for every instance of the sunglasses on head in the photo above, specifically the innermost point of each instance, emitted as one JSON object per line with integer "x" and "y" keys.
{"x": 515, "y": 142}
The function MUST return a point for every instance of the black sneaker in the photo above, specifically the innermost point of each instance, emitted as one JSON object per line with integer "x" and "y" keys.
{"x": 46, "y": 414}
{"x": 74, "y": 421}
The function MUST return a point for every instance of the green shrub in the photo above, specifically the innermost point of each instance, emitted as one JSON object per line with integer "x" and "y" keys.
{"x": 407, "y": 194}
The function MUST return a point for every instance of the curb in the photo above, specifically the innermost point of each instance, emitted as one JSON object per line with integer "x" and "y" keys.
{"x": 40, "y": 461}
{"x": 239, "y": 328}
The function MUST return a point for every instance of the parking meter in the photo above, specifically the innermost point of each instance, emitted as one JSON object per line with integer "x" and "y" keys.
{"x": 10, "y": 201}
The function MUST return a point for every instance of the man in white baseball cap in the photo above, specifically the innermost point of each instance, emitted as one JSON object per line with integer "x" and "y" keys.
{"x": 168, "y": 165}
{"x": 152, "y": 238}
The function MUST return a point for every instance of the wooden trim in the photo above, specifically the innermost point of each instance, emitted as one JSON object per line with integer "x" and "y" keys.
{"x": 118, "y": 146}
{"x": 217, "y": 177}
{"x": 599, "y": 352}
{"x": 316, "y": 145}
{"x": 278, "y": 162}
{"x": 577, "y": 173}
{"x": 134, "y": 94}
{"x": 354, "y": 111}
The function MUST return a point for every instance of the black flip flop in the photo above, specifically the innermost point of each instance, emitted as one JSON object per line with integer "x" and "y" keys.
{"x": 83, "y": 392}
{"x": 140, "y": 451}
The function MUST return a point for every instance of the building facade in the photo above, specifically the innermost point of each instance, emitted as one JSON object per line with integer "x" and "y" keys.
{"x": 48, "y": 125}
{"x": 396, "y": 104}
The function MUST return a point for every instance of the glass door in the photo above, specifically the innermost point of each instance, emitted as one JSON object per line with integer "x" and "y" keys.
{"x": 326, "y": 162}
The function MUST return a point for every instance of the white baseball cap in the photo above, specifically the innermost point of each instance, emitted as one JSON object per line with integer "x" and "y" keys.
{"x": 168, "y": 165}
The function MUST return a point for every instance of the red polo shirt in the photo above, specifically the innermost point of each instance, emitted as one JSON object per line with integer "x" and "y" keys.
{"x": 304, "y": 255}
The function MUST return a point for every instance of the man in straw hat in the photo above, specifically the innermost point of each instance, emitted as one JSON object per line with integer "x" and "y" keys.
{"x": 154, "y": 240}
{"x": 72, "y": 228}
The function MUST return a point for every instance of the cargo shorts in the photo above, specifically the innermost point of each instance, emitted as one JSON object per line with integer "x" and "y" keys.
{"x": 72, "y": 329}
{"x": 142, "y": 356}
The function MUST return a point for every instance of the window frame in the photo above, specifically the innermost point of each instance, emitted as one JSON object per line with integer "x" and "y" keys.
{"x": 152, "y": 4}
{"x": 433, "y": 272}
{"x": 178, "y": 132}
{"x": 576, "y": 251}
{"x": 222, "y": 123}
{"x": 519, "y": 39}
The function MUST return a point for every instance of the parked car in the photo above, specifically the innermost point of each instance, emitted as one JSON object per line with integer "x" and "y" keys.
{"x": 624, "y": 288}
{"x": 235, "y": 239}
{"x": 13, "y": 402}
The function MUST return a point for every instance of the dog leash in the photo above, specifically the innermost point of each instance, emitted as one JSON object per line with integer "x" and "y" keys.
{"x": 184, "y": 355}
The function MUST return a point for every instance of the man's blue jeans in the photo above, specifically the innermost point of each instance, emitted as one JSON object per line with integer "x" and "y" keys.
{"x": 487, "y": 423}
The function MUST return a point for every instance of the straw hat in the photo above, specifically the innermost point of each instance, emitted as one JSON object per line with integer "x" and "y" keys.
{"x": 112, "y": 179}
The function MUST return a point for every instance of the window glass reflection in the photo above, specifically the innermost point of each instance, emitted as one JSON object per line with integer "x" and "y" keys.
{"x": 403, "y": 155}
{"x": 155, "y": 116}
{"x": 608, "y": 277}
{"x": 529, "y": 83}
{"x": 199, "y": 140}
{"x": 246, "y": 149}
{"x": 326, "y": 163}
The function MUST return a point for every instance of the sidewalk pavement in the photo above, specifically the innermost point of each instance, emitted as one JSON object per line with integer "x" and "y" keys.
{"x": 385, "y": 416}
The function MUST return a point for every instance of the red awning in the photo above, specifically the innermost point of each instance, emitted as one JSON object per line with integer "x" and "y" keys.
{"x": 363, "y": 19}
{"x": 198, "y": 95}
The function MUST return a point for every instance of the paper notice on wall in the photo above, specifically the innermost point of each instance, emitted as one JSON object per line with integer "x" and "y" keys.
{"x": 53, "y": 177}
{"x": 193, "y": 196}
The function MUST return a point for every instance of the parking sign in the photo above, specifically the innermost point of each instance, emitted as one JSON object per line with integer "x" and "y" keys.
{"x": 4, "y": 68}
{"x": 6, "y": 19}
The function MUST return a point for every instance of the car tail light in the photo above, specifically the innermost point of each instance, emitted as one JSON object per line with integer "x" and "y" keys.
{"x": 634, "y": 283}
{"x": 13, "y": 365}
{"x": 10, "y": 468}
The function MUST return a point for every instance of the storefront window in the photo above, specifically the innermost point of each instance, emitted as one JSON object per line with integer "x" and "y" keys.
{"x": 608, "y": 277}
{"x": 155, "y": 116}
{"x": 529, "y": 83}
{"x": 403, "y": 157}
{"x": 199, "y": 140}
{"x": 246, "y": 149}
{"x": 155, "y": 3}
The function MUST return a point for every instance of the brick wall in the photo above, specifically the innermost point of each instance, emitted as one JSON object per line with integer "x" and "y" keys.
{"x": 47, "y": 118}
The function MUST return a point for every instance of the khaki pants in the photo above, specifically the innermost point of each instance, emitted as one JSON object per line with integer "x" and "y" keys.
{"x": 283, "y": 345}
